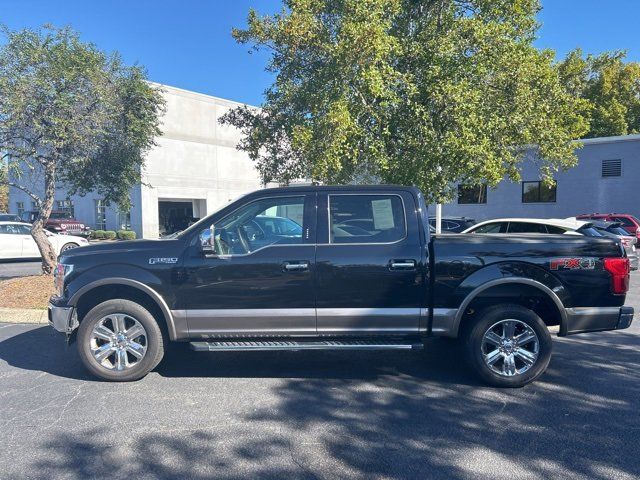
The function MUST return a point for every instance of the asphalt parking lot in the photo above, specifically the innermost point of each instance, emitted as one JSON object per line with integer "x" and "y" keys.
{"x": 19, "y": 269}
{"x": 320, "y": 415}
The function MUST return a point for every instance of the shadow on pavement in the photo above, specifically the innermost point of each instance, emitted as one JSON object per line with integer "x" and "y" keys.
{"x": 371, "y": 415}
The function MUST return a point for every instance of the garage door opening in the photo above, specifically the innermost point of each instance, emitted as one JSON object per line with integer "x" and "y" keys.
{"x": 174, "y": 216}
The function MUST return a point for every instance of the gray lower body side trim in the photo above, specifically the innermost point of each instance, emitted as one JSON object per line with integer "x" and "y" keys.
{"x": 444, "y": 322}
{"x": 207, "y": 323}
{"x": 248, "y": 322}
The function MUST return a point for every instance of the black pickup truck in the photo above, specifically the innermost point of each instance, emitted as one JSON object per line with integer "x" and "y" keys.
{"x": 342, "y": 268}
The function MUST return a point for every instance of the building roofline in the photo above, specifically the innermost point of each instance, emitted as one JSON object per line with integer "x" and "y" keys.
{"x": 612, "y": 139}
{"x": 199, "y": 96}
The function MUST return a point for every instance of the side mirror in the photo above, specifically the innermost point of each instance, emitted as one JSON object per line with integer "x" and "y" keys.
{"x": 207, "y": 242}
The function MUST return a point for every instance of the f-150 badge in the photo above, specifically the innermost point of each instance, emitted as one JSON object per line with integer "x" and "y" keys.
{"x": 169, "y": 260}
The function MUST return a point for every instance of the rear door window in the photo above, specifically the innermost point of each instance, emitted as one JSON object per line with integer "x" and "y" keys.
{"x": 555, "y": 230}
{"x": 366, "y": 219}
{"x": 493, "y": 227}
{"x": 526, "y": 227}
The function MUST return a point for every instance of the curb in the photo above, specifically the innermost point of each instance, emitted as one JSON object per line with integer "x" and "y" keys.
{"x": 23, "y": 315}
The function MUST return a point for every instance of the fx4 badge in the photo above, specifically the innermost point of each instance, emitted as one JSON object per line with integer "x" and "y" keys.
{"x": 585, "y": 263}
{"x": 154, "y": 261}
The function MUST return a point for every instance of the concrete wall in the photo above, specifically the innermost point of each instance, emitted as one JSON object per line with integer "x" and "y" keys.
{"x": 195, "y": 159}
{"x": 580, "y": 190}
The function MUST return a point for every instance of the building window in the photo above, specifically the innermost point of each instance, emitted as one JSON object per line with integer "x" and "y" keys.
{"x": 20, "y": 208}
{"x": 612, "y": 168}
{"x": 66, "y": 206}
{"x": 101, "y": 215}
{"x": 124, "y": 220}
{"x": 34, "y": 206}
{"x": 539, "y": 192}
{"x": 472, "y": 194}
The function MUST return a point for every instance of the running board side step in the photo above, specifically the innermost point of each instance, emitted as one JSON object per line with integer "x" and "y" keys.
{"x": 265, "y": 345}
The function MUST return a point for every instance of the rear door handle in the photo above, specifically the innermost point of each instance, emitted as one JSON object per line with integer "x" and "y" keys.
{"x": 402, "y": 264}
{"x": 296, "y": 266}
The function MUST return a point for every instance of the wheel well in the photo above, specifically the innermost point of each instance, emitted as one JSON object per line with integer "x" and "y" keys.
{"x": 103, "y": 293}
{"x": 515, "y": 293}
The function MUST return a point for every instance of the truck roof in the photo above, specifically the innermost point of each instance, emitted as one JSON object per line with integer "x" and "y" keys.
{"x": 346, "y": 188}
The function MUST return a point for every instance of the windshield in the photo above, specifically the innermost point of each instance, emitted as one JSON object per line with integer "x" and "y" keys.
{"x": 618, "y": 231}
{"x": 60, "y": 215}
{"x": 590, "y": 232}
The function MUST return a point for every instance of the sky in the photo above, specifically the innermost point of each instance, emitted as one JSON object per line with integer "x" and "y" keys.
{"x": 188, "y": 43}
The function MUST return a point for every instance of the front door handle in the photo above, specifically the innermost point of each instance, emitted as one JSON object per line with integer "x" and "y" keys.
{"x": 402, "y": 264}
{"x": 296, "y": 266}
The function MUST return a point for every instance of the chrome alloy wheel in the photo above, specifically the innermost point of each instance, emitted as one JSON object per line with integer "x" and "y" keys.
{"x": 510, "y": 347}
{"x": 118, "y": 342}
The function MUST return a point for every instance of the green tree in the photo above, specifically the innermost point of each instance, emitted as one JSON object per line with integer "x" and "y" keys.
{"x": 4, "y": 189}
{"x": 420, "y": 92}
{"x": 611, "y": 88}
{"x": 71, "y": 115}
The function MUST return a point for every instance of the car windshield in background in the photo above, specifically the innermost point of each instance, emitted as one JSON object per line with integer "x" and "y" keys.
{"x": 590, "y": 232}
{"x": 60, "y": 216}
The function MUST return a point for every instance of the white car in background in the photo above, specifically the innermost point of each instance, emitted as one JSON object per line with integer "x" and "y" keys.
{"x": 16, "y": 241}
{"x": 535, "y": 225}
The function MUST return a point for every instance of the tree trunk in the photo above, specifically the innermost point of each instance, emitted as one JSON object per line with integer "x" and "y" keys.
{"x": 49, "y": 259}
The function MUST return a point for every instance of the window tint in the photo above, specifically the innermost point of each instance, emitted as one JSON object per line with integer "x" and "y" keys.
{"x": 589, "y": 232}
{"x": 625, "y": 221}
{"x": 366, "y": 219}
{"x": 494, "y": 227}
{"x": 450, "y": 225}
{"x": 555, "y": 230}
{"x": 618, "y": 231}
{"x": 526, "y": 227}
{"x": 10, "y": 229}
{"x": 259, "y": 224}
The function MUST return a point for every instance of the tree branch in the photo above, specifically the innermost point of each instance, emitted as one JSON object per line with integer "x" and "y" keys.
{"x": 27, "y": 191}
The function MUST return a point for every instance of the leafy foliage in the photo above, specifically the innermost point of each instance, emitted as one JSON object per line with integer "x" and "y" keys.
{"x": 424, "y": 92}
{"x": 72, "y": 115}
{"x": 611, "y": 88}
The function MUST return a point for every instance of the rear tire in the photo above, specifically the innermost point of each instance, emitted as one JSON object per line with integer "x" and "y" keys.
{"x": 68, "y": 246}
{"x": 509, "y": 346}
{"x": 120, "y": 341}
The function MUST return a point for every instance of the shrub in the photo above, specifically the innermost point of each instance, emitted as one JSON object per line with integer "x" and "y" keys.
{"x": 109, "y": 235}
{"x": 126, "y": 234}
{"x": 98, "y": 234}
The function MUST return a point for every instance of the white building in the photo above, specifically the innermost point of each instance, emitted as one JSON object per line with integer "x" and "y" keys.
{"x": 194, "y": 170}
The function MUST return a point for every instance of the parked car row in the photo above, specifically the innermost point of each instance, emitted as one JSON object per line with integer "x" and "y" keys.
{"x": 566, "y": 226}
{"x": 16, "y": 241}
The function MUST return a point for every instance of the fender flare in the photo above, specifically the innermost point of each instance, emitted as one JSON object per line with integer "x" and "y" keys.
{"x": 157, "y": 298}
{"x": 513, "y": 280}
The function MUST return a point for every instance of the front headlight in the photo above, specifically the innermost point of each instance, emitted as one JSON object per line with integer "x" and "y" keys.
{"x": 59, "y": 274}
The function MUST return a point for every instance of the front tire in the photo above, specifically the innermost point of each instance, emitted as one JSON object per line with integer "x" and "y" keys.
{"x": 509, "y": 346}
{"x": 119, "y": 340}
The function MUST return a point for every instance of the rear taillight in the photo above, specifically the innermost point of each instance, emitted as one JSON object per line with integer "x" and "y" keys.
{"x": 619, "y": 270}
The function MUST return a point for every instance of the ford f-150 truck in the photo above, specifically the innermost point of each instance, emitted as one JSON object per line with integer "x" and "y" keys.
{"x": 342, "y": 268}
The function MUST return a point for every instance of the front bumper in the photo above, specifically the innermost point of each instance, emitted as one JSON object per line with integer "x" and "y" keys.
{"x": 597, "y": 319}
{"x": 63, "y": 319}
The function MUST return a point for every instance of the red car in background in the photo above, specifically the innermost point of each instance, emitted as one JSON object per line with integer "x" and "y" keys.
{"x": 60, "y": 222}
{"x": 630, "y": 223}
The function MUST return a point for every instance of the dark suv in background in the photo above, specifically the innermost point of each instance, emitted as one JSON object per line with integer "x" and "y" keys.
{"x": 629, "y": 222}
{"x": 453, "y": 224}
